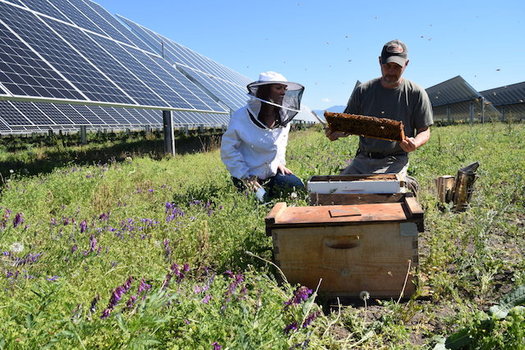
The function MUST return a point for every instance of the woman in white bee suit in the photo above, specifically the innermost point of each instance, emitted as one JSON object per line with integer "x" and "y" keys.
{"x": 253, "y": 148}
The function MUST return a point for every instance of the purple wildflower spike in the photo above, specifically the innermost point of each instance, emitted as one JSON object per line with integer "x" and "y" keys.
{"x": 131, "y": 301}
{"x": 92, "y": 243}
{"x": 83, "y": 226}
{"x": 291, "y": 327}
{"x": 18, "y": 220}
{"x": 167, "y": 249}
{"x": 216, "y": 346}
{"x": 116, "y": 296}
{"x": 143, "y": 286}
{"x": 301, "y": 294}
{"x": 310, "y": 319}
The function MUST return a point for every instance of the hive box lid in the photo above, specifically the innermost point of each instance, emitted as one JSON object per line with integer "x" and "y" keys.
{"x": 350, "y": 184}
{"x": 407, "y": 210}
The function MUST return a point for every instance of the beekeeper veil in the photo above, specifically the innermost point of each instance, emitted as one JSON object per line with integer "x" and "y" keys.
{"x": 291, "y": 103}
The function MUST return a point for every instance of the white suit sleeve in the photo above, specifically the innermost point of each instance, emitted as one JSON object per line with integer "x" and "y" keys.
{"x": 281, "y": 148}
{"x": 230, "y": 155}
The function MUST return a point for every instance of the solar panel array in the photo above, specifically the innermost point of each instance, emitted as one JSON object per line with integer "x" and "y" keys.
{"x": 506, "y": 95}
{"x": 452, "y": 91}
{"x": 88, "y": 64}
{"x": 225, "y": 84}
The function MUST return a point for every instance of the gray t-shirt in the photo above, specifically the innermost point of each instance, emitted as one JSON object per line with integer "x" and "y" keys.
{"x": 408, "y": 103}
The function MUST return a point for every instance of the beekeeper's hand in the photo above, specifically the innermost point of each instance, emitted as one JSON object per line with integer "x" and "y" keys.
{"x": 408, "y": 144}
{"x": 283, "y": 170}
{"x": 251, "y": 183}
{"x": 334, "y": 135}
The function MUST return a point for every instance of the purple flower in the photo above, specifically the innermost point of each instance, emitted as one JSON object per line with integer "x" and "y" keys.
{"x": 127, "y": 284}
{"x": 28, "y": 259}
{"x": 178, "y": 272}
{"x": 167, "y": 249}
{"x": 83, "y": 226}
{"x": 237, "y": 280}
{"x": 206, "y": 299}
{"x": 104, "y": 217}
{"x": 310, "y": 319}
{"x": 198, "y": 289}
{"x": 106, "y": 313}
{"x": 18, "y": 220}
{"x": 53, "y": 279}
{"x": 216, "y": 346}
{"x": 291, "y": 327}
{"x": 172, "y": 212}
{"x": 92, "y": 243}
{"x": 301, "y": 294}
{"x": 131, "y": 301}
{"x": 143, "y": 286}
{"x": 116, "y": 296}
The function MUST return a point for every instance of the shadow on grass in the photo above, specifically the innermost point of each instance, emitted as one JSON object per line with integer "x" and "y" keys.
{"x": 32, "y": 157}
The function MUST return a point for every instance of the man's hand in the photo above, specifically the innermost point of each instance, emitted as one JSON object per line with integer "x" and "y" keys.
{"x": 334, "y": 135}
{"x": 410, "y": 144}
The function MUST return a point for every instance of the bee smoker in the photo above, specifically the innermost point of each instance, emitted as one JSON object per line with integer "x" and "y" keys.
{"x": 464, "y": 186}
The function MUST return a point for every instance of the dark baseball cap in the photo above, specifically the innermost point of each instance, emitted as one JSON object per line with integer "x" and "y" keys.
{"x": 394, "y": 51}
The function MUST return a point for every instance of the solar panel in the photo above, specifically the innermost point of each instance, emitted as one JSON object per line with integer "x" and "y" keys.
{"x": 3, "y": 126}
{"x": 195, "y": 96}
{"x": 100, "y": 22}
{"x": 52, "y": 49}
{"x": 209, "y": 75}
{"x": 115, "y": 28}
{"x": 76, "y": 16}
{"x": 152, "y": 116}
{"x": 183, "y": 55}
{"x": 141, "y": 65}
{"x": 74, "y": 50}
{"x": 107, "y": 118}
{"x": 115, "y": 71}
{"x": 46, "y": 8}
{"x": 506, "y": 95}
{"x": 52, "y": 112}
{"x": 25, "y": 73}
{"x": 34, "y": 114}
{"x": 451, "y": 91}
{"x": 12, "y": 115}
{"x": 16, "y": 2}
{"x": 224, "y": 90}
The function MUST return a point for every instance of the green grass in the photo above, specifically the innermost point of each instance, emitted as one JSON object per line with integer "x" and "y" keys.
{"x": 85, "y": 229}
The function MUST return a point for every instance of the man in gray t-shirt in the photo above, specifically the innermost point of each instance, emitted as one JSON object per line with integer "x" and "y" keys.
{"x": 392, "y": 97}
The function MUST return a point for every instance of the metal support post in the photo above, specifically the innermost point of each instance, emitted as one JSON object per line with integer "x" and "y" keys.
{"x": 169, "y": 140}
{"x": 83, "y": 135}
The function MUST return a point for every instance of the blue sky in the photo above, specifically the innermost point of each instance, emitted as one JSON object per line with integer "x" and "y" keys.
{"x": 328, "y": 45}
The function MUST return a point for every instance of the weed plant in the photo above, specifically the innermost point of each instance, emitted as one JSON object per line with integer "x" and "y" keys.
{"x": 137, "y": 252}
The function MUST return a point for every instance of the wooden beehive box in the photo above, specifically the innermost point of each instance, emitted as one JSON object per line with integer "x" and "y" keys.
{"x": 355, "y": 189}
{"x": 352, "y": 248}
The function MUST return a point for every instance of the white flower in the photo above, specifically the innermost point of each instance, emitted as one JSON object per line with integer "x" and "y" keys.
{"x": 17, "y": 247}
